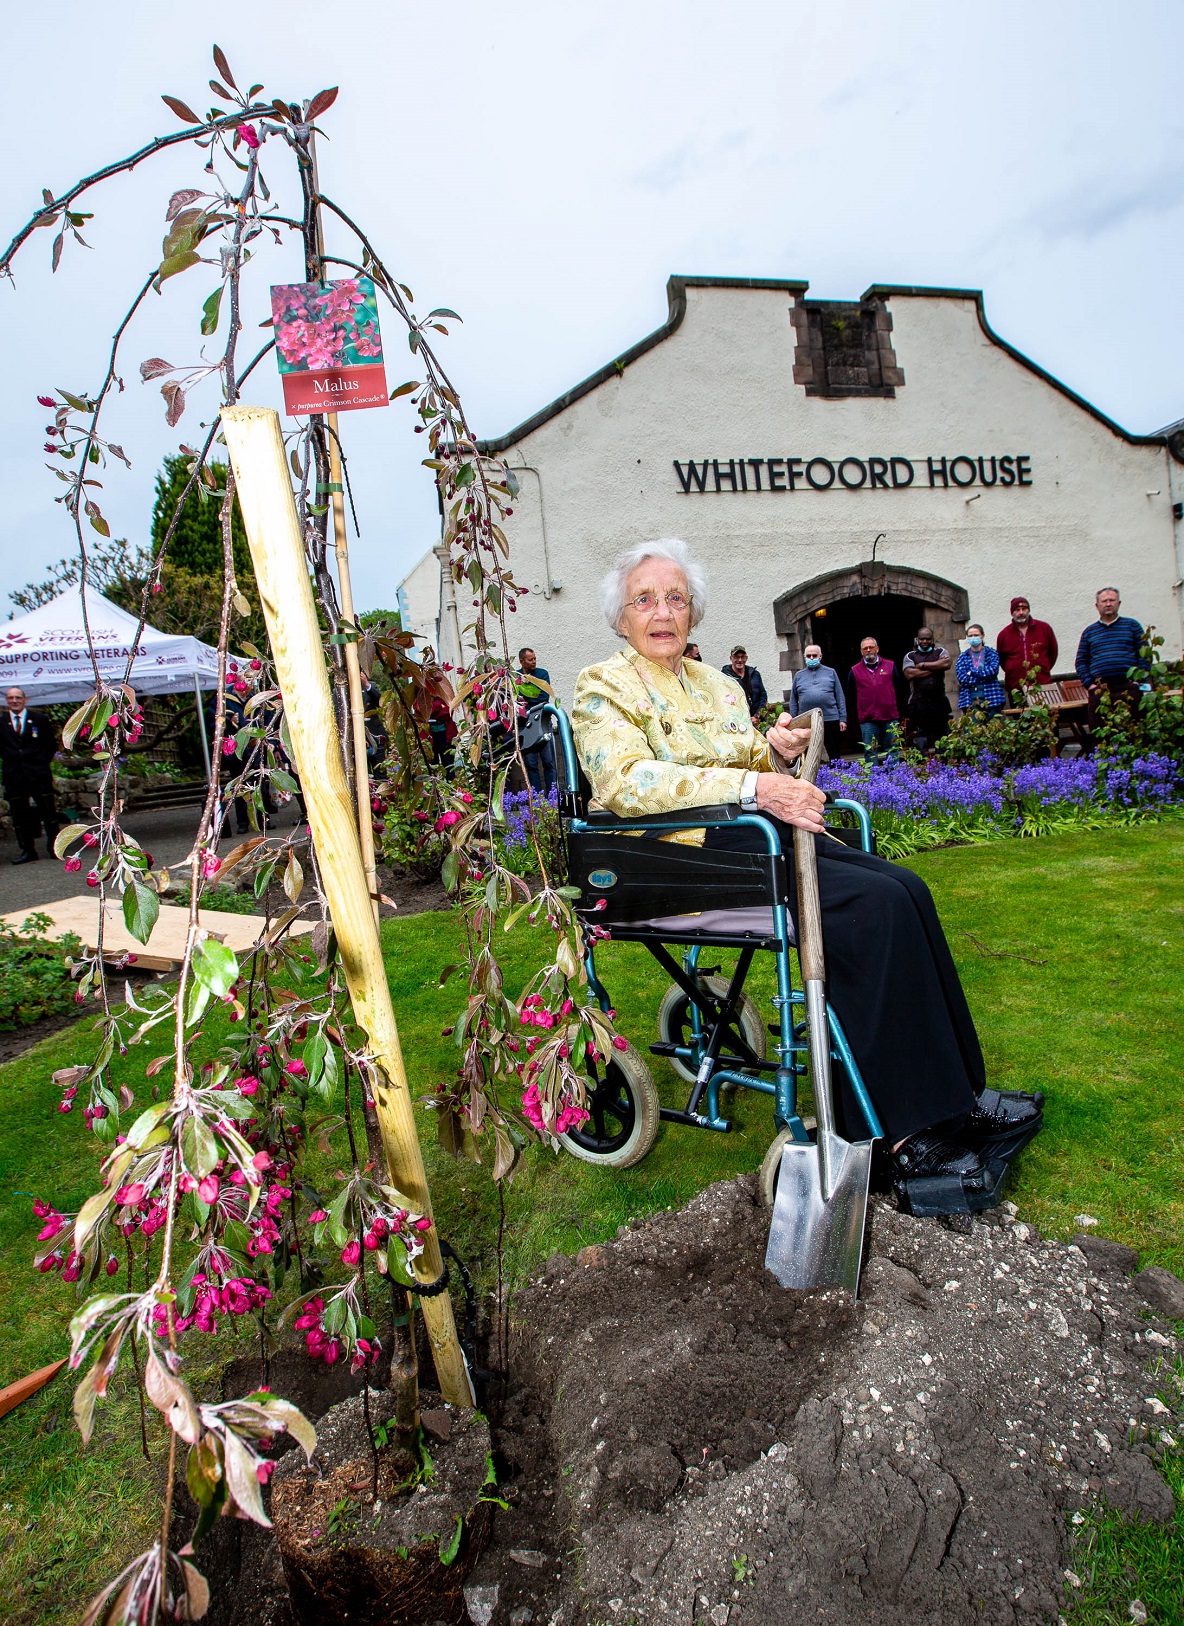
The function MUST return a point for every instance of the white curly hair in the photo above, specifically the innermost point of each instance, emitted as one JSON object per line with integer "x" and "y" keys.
{"x": 613, "y": 587}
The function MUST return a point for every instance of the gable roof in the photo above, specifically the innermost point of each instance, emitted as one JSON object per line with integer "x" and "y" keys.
{"x": 676, "y": 294}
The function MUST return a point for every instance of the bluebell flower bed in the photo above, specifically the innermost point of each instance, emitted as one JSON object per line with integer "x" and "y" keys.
{"x": 914, "y": 807}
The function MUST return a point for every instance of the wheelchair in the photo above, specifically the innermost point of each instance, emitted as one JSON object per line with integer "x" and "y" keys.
{"x": 680, "y": 901}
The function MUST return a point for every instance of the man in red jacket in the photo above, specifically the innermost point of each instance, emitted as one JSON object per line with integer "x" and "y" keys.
{"x": 1027, "y": 648}
{"x": 877, "y": 705}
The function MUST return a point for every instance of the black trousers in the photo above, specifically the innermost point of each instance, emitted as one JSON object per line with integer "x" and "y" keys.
{"x": 31, "y": 800}
{"x": 892, "y": 982}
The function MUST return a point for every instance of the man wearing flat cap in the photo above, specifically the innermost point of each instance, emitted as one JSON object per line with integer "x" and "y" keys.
{"x": 1027, "y": 648}
{"x": 748, "y": 678}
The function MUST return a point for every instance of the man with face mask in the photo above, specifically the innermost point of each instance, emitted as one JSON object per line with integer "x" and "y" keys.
{"x": 1027, "y": 648}
{"x": 925, "y": 667}
{"x": 977, "y": 671}
{"x": 818, "y": 685}
{"x": 877, "y": 707}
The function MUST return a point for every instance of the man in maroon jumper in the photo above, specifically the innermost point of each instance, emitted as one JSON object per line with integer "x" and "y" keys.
{"x": 876, "y": 706}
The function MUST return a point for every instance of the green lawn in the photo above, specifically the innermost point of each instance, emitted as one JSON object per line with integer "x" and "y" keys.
{"x": 1095, "y": 1024}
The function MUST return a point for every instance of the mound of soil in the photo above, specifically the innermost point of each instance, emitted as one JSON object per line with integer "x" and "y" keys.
{"x": 702, "y": 1444}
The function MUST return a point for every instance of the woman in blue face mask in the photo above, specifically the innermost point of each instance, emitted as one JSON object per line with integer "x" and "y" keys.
{"x": 818, "y": 685}
{"x": 977, "y": 671}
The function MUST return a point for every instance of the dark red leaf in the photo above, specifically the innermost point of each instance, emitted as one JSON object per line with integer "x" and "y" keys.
{"x": 220, "y": 90}
{"x": 179, "y": 108}
{"x": 181, "y": 200}
{"x": 321, "y": 103}
{"x": 175, "y": 396}
{"x": 57, "y": 249}
{"x": 254, "y": 91}
{"x": 280, "y": 109}
{"x": 154, "y": 367}
{"x": 223, "y": 66}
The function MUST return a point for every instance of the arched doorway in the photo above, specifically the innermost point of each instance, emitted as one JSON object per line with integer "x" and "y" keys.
{"x": 886, "y": 602}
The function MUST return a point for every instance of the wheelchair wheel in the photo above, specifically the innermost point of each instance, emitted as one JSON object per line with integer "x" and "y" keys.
{"x": 766, "y": 1180}
{"x": 674, "y": 1022}
{"x": 623, "y": 1103}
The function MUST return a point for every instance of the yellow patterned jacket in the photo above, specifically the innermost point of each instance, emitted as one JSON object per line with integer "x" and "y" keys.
{"x": 651, "y": 743}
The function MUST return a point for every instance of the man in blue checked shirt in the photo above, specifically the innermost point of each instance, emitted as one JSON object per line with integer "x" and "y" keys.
{"x": 1110, "y": 648}
{"x": 977, "y": 671}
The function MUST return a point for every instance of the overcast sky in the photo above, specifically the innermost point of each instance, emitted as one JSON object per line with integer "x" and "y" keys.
{"x": 542, "y": 169}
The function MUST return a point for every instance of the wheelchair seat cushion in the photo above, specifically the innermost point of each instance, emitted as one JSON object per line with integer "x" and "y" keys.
{"x": 752, "y": 922}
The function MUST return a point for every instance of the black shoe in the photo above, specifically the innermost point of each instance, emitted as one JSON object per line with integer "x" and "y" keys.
{"x": 27, "y": 858}
{"x": 997, "y": 1114}
{"x": 928, "y": 1153}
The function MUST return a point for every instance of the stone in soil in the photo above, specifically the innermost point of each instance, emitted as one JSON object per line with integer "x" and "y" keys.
{"x": 711, "y": 1447}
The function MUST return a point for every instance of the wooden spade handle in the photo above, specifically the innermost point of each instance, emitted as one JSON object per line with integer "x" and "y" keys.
{"x": 806, "y": 863}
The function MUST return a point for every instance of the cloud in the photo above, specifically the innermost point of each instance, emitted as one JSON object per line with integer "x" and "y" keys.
{"x": 1090, "y": 209}
{"x": 689, "y": 161}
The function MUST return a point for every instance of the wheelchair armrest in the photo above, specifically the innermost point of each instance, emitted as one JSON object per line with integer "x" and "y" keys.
{"x": 695, "y": 817}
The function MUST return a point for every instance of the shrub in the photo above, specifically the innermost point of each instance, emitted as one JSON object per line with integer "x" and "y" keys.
{"x": 35, "y": 976}
{"x": 1005, "y": 742}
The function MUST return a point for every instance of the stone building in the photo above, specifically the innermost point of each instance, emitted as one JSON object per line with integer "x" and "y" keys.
{"x": 842, "y": 469}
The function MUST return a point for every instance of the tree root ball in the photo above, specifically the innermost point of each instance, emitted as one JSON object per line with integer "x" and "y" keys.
{"x": 396, "y": 1557}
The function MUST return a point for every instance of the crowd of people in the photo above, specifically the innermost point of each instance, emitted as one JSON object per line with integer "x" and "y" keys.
{"x": 893, "y": 705}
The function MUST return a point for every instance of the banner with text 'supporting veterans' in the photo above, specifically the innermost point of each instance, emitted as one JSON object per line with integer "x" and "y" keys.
{"x": 328, "y": 345}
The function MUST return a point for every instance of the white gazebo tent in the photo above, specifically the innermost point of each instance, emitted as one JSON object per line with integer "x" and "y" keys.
{"x": 47, "y": 654}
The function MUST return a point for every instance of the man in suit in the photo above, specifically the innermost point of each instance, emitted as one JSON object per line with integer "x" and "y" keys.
{"x": 27, "y": 747}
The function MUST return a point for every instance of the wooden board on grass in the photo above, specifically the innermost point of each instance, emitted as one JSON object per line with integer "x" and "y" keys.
{"x": 165, "y": 949}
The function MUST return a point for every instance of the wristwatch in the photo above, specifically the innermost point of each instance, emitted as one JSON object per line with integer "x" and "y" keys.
{"x": 748, "y": 792}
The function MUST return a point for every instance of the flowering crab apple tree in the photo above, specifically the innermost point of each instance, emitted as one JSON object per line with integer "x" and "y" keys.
{"x": 209, "y": 1208}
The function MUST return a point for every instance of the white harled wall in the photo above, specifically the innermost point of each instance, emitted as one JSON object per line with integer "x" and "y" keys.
{"x": 1098, "y": 510}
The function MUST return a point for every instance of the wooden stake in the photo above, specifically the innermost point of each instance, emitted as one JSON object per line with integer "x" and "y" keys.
{"x": 281, "y": 569}
{"x": 353, "y": 670}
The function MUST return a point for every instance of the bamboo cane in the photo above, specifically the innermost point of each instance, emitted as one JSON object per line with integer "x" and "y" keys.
{"x": 353, "y": 670}
{"x": 285, "y": 593}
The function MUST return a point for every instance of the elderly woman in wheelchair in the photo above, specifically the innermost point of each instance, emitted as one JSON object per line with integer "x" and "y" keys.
{"x": 681, "y": 834}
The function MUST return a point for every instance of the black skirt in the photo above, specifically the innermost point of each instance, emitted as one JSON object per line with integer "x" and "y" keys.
{"x": 892, "y": 982}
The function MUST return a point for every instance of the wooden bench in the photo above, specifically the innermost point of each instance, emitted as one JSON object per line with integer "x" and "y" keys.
{"x": 1065, "y": 700}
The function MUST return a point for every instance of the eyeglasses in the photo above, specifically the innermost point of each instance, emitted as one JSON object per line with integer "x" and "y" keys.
{"x": 647, "y": 603}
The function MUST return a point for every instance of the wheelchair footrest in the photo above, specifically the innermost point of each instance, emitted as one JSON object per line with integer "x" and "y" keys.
{"x": 926, "y": 1196}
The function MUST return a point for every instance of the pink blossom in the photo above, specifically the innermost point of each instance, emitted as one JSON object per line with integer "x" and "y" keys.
{"x": 51, "y": 1262}
{"x": 370, "y": 1242}
{"x": 446, "y": 820}
{"x": 90, "y": 839}
{"x": 256, "y": 666}
{"x": 51, "y": 1227}
{"x": 130, "y": 1196}
{"x": 263, "y": 1470}
{"x": 47, "y": 400}
{"x": 423, "y": 1223}
{"x": 297, "y": 1069}
{"x": 73, "y": 1268}
{"x": 249, "y": 135}
{"x": 247, "y": 1085}
{"x": 93, "y": 878}
{"x": 318, "y": 1216}
{"x": 112, "y": 1265}
{"x": 332, "y": 1352}
{"x": 379, "y": 1226}
{"x": 619, "y": 1043}
{"x": 208, "y": 1189}
{"x": 465, "y": 797}
{"x": 351, "y": 1253}
{"x": 261, "y": 1161}
{"x": 65, "y": 1106}
{"x": 228, "y": 748}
